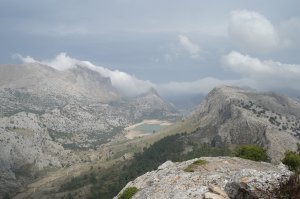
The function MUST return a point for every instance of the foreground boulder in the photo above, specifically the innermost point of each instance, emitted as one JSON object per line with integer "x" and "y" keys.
{"x": 212, "y": 177}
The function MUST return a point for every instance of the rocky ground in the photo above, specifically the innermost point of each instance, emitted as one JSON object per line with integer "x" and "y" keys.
{"x": 212, "y": 178}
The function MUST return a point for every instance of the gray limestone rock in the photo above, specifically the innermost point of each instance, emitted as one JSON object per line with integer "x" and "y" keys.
{"x": 219, "y": 178}
{"x": 233, "y": 116}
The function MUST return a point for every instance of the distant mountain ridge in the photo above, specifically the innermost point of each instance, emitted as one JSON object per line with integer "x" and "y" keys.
{"x": 41, "y": 79}
{"x": 45, "y": 114}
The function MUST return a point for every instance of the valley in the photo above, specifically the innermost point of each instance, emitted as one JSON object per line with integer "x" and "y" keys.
{"x": 64, "y": 121}
{"x": 212, "y": 129}
{"x": 145, "y": 128}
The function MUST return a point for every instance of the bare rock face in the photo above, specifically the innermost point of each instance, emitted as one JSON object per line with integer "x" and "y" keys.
{"x": 214, "y": 178}
{"x": 233, "y": 116}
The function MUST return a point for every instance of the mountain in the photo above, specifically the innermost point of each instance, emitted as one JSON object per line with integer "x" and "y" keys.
{"x": 227, "y": 117}
{"x": 153, "y": 105}
{"x": 231, "y": 116}
{"x": 211, "y": 178}
{"x": 42, "y": 80}
{"x": 47, "y": 115}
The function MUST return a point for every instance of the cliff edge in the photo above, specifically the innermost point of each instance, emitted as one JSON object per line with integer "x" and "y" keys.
{"x": 212, "y": 177}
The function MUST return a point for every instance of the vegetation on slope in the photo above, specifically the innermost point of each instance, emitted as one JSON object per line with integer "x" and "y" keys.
{"x": 108, "y": 183}
{"x": 251, "y": 152}
{"x": 128, "y": 193}
{"x": 292, "y": 189}
{"x": 192, "y": 167}
{"x": 292, "y": 160}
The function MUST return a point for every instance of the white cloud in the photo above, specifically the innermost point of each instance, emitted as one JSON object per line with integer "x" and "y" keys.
{"x": 245, "y": 65}
{"x": 266, "y": 74}
{"x": 192, "y": 48}
{"x": 61, "y": 62}
{"x": 125, "y": 83}
{"x": 254, "y": 73}
{"x": 26, "y": 59}
{"x": 253, "y": 31}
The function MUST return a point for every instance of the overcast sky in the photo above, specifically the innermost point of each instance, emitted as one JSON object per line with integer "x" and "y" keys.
{"x": 180, "y": 47}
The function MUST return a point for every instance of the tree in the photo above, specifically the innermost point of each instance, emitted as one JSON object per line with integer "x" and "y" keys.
{"x": 251, "y": 152}
{"x": 292, "y": 160}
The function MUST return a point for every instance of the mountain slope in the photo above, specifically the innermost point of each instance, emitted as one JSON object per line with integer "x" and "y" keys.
{"x": 228, "y": 117}
{"x": 233, "y": 116}
{"x": 47, "y": 115}
{"x": 43, "y": 80}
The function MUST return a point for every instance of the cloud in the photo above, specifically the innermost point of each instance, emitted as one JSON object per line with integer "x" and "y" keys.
{"x": 125, "y": 83}
{"x": 254, "y": 73}
{"x": 26, "y": 59}
{"x": 192, "y": 48}
{"x": 267, "y": 74}
{"x": 253, "y": 31}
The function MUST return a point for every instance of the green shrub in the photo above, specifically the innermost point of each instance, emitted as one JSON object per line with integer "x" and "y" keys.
{"x": 194, "y": 165}
{"x": 200, "y": 162}
{"x": 251, "y": 152}
{"x": 292, "y": 160}
{"x": 128, "y": 193}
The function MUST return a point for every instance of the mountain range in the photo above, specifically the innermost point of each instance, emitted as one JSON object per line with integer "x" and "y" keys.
{"x": 53, "y": 120}
{"x": 47, "y": 114}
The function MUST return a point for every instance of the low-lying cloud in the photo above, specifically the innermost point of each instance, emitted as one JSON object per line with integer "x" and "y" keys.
{"x": 267, "y": 74}
{"x": 255, "y": 73}
{"x": 125, "y": 83}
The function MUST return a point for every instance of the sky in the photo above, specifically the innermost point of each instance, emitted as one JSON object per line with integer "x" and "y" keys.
{"x": 178, "y": 47}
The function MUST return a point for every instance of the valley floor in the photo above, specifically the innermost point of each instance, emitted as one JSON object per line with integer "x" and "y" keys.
{"x": 145, "y": 128}
{"x": 120, "y": 148}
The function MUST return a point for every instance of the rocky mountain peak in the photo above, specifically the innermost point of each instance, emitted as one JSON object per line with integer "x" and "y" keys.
{"x": 234, "y": 116}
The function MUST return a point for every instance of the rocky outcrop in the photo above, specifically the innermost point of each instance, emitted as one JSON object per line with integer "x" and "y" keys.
{"x": 233, "y": 116}
{"x": 212, "y": 178}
